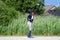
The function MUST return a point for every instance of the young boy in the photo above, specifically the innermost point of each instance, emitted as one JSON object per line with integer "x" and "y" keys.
{"x": 30, "y": 20}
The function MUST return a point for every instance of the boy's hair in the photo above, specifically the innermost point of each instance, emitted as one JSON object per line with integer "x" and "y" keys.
{"x": 30, "y": 10}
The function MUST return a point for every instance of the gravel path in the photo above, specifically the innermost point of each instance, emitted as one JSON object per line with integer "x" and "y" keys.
{"x": 25, "y": 38}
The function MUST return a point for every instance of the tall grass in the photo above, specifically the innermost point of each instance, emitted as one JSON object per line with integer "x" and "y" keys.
{"x": 42, "y": 25}
{"x": 46, "y": 25}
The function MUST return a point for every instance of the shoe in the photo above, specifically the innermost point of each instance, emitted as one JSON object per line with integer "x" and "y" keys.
{"x": 30, "y": 36}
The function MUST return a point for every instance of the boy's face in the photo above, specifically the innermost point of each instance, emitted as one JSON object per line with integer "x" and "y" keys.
{"x": 32, "y": 13}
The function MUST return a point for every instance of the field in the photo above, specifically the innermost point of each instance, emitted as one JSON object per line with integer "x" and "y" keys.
{"x": 42, "y": 26}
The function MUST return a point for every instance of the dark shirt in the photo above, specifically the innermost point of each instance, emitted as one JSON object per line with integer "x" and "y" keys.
{"x": 29, "y": 18}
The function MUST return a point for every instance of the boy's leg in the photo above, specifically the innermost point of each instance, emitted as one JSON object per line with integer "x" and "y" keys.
{"x": 30, "y": 29}
{"x": 29, "y": 34}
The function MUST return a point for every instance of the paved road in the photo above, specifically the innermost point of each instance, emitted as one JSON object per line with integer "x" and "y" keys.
{"x": 25, "y": 38}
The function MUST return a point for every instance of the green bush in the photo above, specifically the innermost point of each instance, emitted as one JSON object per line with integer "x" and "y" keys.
{"x": 7, "y": 14}
{"x": 38, "y": 9}
{"x": 42, "y": 25}
{"x": 23, "y": 5}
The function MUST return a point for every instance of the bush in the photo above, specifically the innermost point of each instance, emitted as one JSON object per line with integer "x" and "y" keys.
{"x": 41, "y": 26}
{"x": 23, "y": 5}
{"x": 6, "y": 14}
{"x": 38, "y": 9}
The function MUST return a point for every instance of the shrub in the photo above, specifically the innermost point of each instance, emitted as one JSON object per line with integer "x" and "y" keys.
{"x": 6, "y": 14}
{"x": 23, "y": 5}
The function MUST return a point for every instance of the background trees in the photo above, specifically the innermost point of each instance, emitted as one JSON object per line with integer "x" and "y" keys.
{"x": 23, "y": 5}
{"x": 9, "y": 8}
{"x": 7, "y": 14}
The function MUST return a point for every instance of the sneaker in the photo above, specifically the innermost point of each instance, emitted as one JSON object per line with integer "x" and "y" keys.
{"x": 30, "y": 36}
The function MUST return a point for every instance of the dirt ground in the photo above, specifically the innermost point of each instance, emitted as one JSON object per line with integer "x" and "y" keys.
{"x": 26, "y": 38}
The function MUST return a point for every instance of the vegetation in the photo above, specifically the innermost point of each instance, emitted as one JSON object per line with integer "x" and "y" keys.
{"x": 23, "y": 5}
{"x": 57, "y": 8}
{"x": 9, "y": 9}
{"x": 13, "y": 22}
{"x": 7, "y": 14}
{"x": 42, "y": 25}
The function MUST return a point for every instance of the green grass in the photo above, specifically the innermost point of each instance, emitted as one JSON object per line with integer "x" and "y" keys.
{"x": 42, "y": 25}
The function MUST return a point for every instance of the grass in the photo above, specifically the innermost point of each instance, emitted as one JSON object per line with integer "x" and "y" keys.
{"x": 42, "y": 25}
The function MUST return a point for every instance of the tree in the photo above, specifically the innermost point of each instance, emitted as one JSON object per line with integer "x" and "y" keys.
{"x": 23, "y": 5}
{"x": 7, "y": 14}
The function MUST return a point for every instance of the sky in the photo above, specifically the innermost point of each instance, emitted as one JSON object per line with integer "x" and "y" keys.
{"x": 52, "y": 2}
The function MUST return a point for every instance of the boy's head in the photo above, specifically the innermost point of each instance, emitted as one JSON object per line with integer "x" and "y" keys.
{"x": 30, "y": 11}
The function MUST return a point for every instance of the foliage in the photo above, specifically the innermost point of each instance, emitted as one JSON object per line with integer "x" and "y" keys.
{"x": 42, "y": 25}
{"x": 23, "y": 5}
{"x": 7, "y": 14}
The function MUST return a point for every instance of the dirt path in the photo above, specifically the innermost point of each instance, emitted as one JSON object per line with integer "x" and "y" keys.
{"x": 25, "y": 38}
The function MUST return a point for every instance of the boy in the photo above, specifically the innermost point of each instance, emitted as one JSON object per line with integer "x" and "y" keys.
{"x": 30, "y": 20}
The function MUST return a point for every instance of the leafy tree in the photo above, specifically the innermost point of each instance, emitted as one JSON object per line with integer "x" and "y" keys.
{"x": 23, "y": 5}
{"x": 7, "y": 14}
